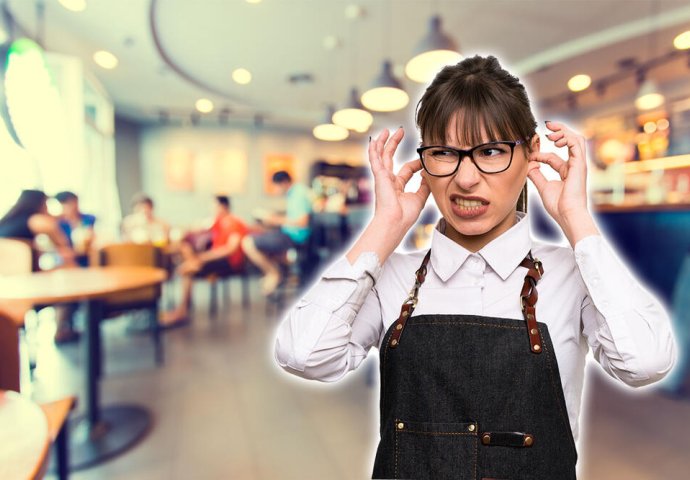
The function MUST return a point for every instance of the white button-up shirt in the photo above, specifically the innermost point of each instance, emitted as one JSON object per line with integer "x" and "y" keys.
{"x": 587, "y": 297}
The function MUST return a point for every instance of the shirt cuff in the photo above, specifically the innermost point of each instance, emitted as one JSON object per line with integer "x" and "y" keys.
{"x": 367, "y": 264}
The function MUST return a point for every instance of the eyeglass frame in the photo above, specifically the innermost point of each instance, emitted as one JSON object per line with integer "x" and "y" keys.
{"x": 469, "y": 153}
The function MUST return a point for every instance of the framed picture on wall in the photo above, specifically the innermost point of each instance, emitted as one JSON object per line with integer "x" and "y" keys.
{"x": 179, "y": 170}
{"x": 275, "y": 162}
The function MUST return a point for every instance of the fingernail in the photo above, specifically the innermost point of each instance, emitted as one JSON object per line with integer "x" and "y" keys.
{"x": 369, "y": 138}
{"x": 400, "y": 126}
{"x": 546, "y": 121}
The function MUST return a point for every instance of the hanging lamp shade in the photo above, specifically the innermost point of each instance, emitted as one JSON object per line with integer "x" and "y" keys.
{"x": 432, "y": 53}
{"x": 648, "y": 96}
{"x": 353, "y": 116}
{"x": 328, "y": 131}
{"x": 386, "y": 93}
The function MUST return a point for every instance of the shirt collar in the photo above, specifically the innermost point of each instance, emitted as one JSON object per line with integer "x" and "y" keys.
{"x": 503, "y": 254}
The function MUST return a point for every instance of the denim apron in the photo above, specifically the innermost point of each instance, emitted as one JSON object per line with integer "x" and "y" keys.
{"x": 472, "y": 397}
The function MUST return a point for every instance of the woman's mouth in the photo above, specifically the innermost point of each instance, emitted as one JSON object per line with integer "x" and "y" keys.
{"x": 468, "y": 207}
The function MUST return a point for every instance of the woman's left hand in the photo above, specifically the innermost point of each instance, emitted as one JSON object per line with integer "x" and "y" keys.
{"x": 564, "y": 199}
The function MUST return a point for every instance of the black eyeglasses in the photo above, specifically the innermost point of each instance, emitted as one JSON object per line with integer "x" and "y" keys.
{"x": 492, "y": 157}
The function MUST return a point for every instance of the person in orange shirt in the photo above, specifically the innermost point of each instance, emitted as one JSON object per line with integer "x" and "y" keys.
{"x": 224, "y": 257}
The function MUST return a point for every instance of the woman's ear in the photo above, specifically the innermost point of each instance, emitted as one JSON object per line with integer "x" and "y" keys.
{"x": 535, "y": 143}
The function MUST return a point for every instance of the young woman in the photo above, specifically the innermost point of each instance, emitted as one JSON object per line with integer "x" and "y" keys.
{"x": 478, "y": 379}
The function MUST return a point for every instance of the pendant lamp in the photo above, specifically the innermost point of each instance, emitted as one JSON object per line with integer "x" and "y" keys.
{"x": 432, "y": 53}
{"x": 386, "y": 93}
{"x": 648, "y": 97}
{"x": 353, "y": 116}
{"x": 328, "y": 131}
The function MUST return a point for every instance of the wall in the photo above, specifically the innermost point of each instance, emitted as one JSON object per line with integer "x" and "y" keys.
{"x": 184, "y": 208}
{"x": 127, "y": 161}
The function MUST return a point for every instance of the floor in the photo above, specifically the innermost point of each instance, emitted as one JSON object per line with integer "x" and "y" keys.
{"x": 223, "y": 410}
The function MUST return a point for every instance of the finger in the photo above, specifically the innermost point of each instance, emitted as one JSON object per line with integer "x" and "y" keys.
{"x": 374, "y": 158}
{"x": 409, "y": 169}
{"x": 537, "y": 178}
{"x": 552, "y": 160}
{"x": 391, "y": 146}
{"x": 423, "y": 191}
{"x": 381, "y": 141}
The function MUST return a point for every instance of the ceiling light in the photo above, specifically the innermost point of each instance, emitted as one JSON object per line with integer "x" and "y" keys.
{"x": 682, "y": 41}
{"x": 580, "y": 82}
{"x": 386, "y": 93}
{"x": 254, "y": 2}
{"x": 105, "y": 59}
{"x": 648, "y": 97}
{"x": 204, "y": 105}
{"x": 74, "y": 5}
{"x": 242, "y": 76}
{"x": 352, "y": 115}
{"x": 432, "y": 53}
{"x": 329, "y": 131}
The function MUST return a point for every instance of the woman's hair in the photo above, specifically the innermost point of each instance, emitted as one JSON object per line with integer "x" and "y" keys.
{"x": 480, "y": 94}
{"x": 29, "y": 203}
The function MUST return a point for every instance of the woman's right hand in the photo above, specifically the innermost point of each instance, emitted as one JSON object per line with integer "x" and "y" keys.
{"x": 396, "y": 210}
{"x": 394, "y": 206}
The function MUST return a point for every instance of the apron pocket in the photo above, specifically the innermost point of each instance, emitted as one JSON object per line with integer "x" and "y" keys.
{"x": 435, "y": 450}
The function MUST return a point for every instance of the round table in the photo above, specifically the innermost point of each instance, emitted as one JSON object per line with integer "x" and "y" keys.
{"x": 102, "y": 432}
{"x": 23, "y": 435}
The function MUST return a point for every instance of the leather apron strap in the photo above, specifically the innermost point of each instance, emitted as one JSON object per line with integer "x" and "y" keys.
{"x": 528, "y": 301}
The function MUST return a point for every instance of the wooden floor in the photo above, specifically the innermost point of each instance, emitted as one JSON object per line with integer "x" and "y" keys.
{"x": 223, "y": 410}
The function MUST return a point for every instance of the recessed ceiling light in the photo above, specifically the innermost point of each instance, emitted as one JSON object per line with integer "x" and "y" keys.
{"x": 74, "y": 5}
{"x": 105, "y": 59}
{"x": 204, "y": 105}
{"x": 682, "y": 41}
{"x": 353, "y": 12}
{"x": 242, "y": 76}
{"x": 579, "y": 82}
{"x": 254, "y": 1}
{"x": 331, "y": 42}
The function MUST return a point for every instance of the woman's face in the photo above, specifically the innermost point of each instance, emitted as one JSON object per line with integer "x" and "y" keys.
{"x": 478, "y": 207}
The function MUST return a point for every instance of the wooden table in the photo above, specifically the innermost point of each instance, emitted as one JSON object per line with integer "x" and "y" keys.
{"x": 24, "y": 438}
{"x": 102, "y": 432}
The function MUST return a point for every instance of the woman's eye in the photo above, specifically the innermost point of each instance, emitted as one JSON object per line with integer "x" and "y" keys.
{"x": 442, "y": 154}
{"x": 491, "y": 151}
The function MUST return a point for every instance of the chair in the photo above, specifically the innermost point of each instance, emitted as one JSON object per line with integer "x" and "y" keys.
{"x": 134, "y": 254}
{"x": 56, "y": 412}
{"x": 215, "y": 279}
{"x": 16, "y": 256}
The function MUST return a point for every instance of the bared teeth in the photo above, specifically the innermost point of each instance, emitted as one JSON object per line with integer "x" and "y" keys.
{"x": 468, "y": 203}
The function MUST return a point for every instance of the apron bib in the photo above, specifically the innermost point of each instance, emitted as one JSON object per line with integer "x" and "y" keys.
{"x": 472, "y": 397}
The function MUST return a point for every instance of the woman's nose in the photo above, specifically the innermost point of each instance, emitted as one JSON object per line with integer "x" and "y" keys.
{"x": 467, "y": 175}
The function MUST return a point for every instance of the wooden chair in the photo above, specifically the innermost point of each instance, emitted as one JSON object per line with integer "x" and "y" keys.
{"x": 215, "y": 280}
{"x": 56, "y": 412}
{"x": 147, "y": 298}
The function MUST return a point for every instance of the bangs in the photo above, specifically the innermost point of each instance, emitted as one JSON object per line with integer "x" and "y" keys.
{"x": 479, "y": 117}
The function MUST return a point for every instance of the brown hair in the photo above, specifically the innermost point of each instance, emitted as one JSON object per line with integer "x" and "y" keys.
{"x": 480, "y": 94}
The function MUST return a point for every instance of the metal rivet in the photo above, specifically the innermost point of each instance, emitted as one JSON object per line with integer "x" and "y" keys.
{"x": 400, "y": 425}
{"x": 486, "y": 439}
{"x": 398, "y": 326}
{"x": 394, "y": 342}
{"x": 471, "y": 428}
{"x": 533, "y": 331}
{"x": 528, "y": 441}
{"x": 536, "y": 348}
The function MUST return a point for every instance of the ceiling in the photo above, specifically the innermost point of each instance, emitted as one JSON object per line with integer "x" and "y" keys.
{"x": 173, "y": 52}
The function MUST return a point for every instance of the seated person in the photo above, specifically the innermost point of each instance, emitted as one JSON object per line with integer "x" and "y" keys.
{"x": 225, "y": 257}
{"x": 142, "y": 226}
{"x": 294, "y": 230}
{"x": 77, "y": 226}
{"x": 29, "y": 218}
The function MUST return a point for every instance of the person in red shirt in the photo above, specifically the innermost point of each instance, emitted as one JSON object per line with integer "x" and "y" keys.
{"x": 224, "y": 257}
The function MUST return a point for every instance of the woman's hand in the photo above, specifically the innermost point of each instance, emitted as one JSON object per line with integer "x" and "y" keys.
{"x": 565, "y": 199}
{"x": 395, "y": 206}
{"x": 396, "y": 210}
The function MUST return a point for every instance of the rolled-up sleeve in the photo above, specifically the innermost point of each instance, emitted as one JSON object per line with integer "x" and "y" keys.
{"x": 627, "y": 328}
{"x": 331, "y": 329}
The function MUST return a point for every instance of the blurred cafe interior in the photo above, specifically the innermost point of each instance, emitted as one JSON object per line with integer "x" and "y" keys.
{"x": 142, "y": 135}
